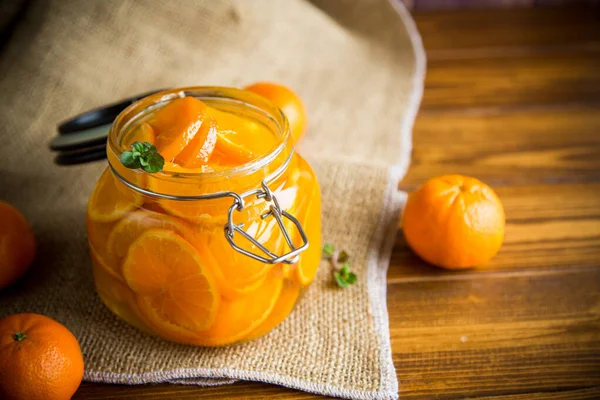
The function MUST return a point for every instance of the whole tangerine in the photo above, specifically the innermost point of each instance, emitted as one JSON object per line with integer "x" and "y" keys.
{"x": 40, "y": 359}
{"x": 454, "y": 222}
{"x": 17, "y": 245}
{"x": 288, "y": 101}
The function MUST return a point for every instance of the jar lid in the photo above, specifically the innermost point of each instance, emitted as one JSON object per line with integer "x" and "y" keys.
{"x": 87, "y": 132}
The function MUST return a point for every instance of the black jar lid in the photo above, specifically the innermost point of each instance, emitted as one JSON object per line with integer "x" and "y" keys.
{"x": 87, "y": 132}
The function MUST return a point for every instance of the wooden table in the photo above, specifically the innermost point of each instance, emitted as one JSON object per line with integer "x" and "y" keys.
{"x": 512, "y": 97}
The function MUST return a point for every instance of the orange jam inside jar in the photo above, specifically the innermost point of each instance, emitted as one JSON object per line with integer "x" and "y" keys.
{"x": 218, "y": 246}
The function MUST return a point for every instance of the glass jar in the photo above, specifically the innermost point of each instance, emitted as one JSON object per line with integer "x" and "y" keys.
{"x": 211, "y": 256}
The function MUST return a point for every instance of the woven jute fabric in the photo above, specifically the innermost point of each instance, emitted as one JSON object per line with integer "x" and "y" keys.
{"x": 357, "y": 65}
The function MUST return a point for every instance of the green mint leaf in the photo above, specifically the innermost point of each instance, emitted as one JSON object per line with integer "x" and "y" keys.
{"x": 351, "y": 278}
{"x": 138, "y": 147}
{"x": 129, "y": 161}
{"x": 345, "y": 270}
{"x": 343, "y": 257}
{"x": 328, "y": 250}
{"x": 344, "y": 277}
{"x": 143, "y": 155}
{"x": 156, "y": 162}
{"x": 340, "y": 280}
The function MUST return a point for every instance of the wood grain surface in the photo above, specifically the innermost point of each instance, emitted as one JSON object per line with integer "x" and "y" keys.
{"x": 512, "y": 97}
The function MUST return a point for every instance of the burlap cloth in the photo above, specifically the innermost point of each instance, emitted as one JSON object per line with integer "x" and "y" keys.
{"x": 359, "y": 67}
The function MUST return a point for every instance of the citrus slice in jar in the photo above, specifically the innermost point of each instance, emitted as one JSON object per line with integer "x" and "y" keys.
{"x": 176, "y": 124}
{"x": 284, "y": 306}
{"x": 110, "y": 200}
{"x": 175, "y": 290}
{"x": 142, "y": 133}
{"x": 236, "y": 318}
{"x": 240, "y": 140}
{"x": 98, "y": 233}
{"x": 236, "y": 273}
{"x": 310, "y": 219}
{"x": 228, "y": 290}
{"x": 128, "y": 229}
{"x": 115, "y": 293}
{"x": 198, "y": 151}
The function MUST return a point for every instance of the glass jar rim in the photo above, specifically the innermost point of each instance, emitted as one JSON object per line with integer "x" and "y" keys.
{"x": 236, "y": 96}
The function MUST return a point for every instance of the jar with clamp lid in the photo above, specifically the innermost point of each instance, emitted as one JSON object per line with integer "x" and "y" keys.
{"x": 211, "y": 255}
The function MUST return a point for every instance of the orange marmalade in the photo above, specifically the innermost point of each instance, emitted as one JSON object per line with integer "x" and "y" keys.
{"x": 218, "y": 246}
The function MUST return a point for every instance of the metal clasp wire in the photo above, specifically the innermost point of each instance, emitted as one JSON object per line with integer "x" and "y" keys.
{"x": 231, "y": 228}
{"x": 275, "y": 210}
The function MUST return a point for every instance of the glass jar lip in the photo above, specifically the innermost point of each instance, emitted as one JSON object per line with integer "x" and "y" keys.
{"x": 233, "y": 95}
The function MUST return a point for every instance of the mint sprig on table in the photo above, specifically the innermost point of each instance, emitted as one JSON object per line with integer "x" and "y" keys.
{"x": 343, "y": 276}
{"x": 143, "y": 155}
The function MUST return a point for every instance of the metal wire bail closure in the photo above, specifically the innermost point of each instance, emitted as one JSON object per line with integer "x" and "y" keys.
{"x": 231, "y": 228}
{"x": 276, "y": 212}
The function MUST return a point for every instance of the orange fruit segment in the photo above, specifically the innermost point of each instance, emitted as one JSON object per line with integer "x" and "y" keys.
{"x": 110, "y": 199}
{"x": 174, "y": 288}
{"x": 240, "y": 140}
{"x": 205, "y": 212}
{"x": 229, "y": 290}
{"x": 285, "y": 303}
{"x": 176, "y": 124}
{"x": 236, "y": 318}
{"x": 141, "y": 133}
{"x": 238, "y": 273}
{"x": 309, "y": 216}
{"x": 200, "y": 148}
{"x": 115, "y": 294}
{"x": 98, "y": 233}
{"x": 134, "y": 224}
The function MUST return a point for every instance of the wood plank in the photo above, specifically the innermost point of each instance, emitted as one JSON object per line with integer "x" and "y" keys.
{"x": 465, "y": 33}
{"x": 548, "y": 226}
{"x": 240, "y": 390}
{"x": 550, "y": 79}
{"x": 453, "y": 339}
{"x": 576, "y": 394}
{"x": 499, "y": 146}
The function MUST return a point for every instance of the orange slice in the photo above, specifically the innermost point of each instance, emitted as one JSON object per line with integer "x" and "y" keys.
{"x": 310, "y": 219}
{"x": 175, "y": 291}
{"x": 176, "y": 125}
{"x": 142, "y": 133}
{"x": 200, "y": 148}
{"x": 111, "y": 199}
{"x": 228, "y": 290}
{"x": 235, "y": 319}
{"x": 204, "y": 212}
{"x": 283, "y": 308}
{"x": 154, "y": 206}
{"x": 237, "y": 273}
{"x": 240, "y": 140}
{"x": 230, "y": 144}
{"x": 116, "y": 295}
{"x": 134, "y": 224}
{"x": 98, "y": 233}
